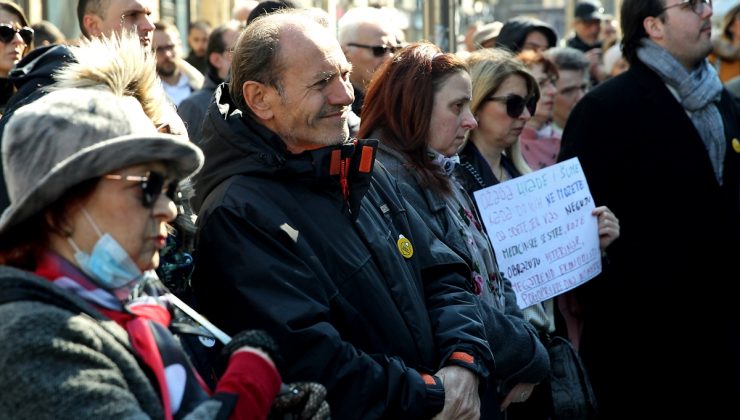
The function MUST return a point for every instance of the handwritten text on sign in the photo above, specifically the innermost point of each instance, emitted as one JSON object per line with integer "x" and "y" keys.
{"x": 542, "y": 230}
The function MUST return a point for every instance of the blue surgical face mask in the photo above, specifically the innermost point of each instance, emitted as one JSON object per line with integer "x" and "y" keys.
{"x": 108, "y": 264}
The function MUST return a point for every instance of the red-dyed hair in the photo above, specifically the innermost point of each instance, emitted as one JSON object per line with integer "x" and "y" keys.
{"x": 399, "y": 103}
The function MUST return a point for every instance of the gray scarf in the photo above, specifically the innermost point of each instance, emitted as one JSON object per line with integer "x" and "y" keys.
{"x": 699, "y": 93}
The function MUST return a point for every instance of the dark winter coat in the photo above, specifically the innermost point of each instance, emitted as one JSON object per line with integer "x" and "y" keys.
{"x": 519, "y": 354}
{"x": 280, "y": 248}
{"x": 660, "y": 330}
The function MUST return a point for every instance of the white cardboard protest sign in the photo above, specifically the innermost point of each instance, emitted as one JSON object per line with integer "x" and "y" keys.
{"x": 542, "y": 230}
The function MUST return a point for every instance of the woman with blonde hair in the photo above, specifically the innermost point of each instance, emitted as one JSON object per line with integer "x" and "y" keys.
{"x": 504, "y": 99}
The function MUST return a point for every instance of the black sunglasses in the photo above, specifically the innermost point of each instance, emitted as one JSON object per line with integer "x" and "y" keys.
{"x": 378, "y": 50}
{"x": 515, "y": 104}
{"x": 152, "y": 184}
{"x": 7, "y": 33}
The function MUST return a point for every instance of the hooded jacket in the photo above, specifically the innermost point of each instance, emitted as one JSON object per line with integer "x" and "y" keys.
{"x": 515, "y": 31}
{"x": 320, "y": 250}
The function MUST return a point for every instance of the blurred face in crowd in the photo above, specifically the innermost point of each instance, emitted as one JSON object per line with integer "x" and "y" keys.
{"x": 684, "y": 33}
{"x": 116, "y": 207}
{"x": 735, "y": 26}
{"x": 571, "y": 86}
{"x": 588, "y": 30}
{"x": 132, "y": 15}
{"x": 310, "y": 108}
{"x": 198, "y": 41}
{"x": 535, "y": 41}
{"x": 223, "y": 60}
{"x": 547, "y": 93}
{"x": 166, "y": 44}
{"x": 451, "y": 115}
{"x": 495, "y": 126}
{"x": 11, "y": 50}
{"x": 364, "y": 58}
{"x": 609, "y": 30}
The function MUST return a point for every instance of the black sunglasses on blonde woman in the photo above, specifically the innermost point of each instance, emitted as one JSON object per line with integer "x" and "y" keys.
{"x": 515, "y": 104}
{"x": 7, "y": 33}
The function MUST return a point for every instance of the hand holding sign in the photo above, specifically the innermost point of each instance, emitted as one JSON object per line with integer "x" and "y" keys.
{"x": 545, "y": 238}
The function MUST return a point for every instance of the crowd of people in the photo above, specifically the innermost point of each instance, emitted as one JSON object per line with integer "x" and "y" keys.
{"x": 282, "y": 224}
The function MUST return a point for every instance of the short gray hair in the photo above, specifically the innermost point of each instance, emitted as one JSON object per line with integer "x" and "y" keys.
{"x": 257, "y": 54}
{"x": 567, "y": 58}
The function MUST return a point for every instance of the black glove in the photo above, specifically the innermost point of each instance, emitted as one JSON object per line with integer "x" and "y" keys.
{"x": 301, "y": 400}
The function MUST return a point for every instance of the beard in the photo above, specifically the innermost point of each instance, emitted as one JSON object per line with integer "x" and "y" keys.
{"x": 166, "y": 69}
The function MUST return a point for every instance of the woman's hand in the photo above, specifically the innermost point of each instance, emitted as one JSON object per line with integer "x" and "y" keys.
{"x": 608, "y": 226}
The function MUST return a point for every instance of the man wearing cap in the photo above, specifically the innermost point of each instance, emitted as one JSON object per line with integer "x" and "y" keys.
{"x": 302, "y": 234}
{"x": 660, "y": 145}
{"x": 587, "y": 27}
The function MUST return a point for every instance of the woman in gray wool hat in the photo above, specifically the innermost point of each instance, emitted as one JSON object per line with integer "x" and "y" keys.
{"x": 91, "y": 183}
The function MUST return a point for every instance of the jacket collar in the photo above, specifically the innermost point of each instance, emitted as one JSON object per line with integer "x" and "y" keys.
{"x": 236, "y": 144}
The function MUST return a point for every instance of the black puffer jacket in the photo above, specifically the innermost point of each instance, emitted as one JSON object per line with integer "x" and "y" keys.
{"x": 31, "y": 76}
{"x": 280, "y": 248}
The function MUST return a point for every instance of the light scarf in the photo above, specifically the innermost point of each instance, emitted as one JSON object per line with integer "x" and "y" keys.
{"x": 446, "y": 164}
{"x": 699, "y": 92}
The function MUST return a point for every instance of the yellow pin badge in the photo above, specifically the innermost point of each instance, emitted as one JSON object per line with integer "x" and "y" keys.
{"x": 736, "y": 145}
{"x": 405, "y": 247}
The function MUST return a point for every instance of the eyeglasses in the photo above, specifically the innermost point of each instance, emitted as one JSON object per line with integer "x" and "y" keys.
{"x": 152, "y": 184}
{"x": 165, "y": 49}
{"x": 515, "y": 104}
{"x": 378, "y": 50}
{"x": 697, "y": 6}
{"x": 7, "y": 33}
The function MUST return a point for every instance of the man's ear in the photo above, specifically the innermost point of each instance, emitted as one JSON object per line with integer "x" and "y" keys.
{"x": 93, "y": 25}
{"x": 654, "y": 27}
{"x": 258, "y": 98}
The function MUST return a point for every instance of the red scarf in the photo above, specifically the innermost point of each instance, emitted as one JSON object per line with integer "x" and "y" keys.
{"x": 145, "y": 319}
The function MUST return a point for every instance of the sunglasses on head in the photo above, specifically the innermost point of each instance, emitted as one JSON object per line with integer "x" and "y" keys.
{"x": 378, "y": 50}
{"x": 152, "y": 185}
{"x": 515, "y": 104}
{"x": 7, "y": 33}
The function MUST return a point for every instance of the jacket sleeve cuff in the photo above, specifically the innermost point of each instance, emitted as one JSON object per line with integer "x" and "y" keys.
{"x": 435, "y": 393}
{"x": 468, "y": 361}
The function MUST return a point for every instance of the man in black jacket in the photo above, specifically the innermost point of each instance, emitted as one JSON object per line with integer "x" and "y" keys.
{"x": 660, "y": 145}
{"x": 302, "y": 234}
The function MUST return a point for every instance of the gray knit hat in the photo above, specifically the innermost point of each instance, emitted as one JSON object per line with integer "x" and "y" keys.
{"x": 72, "y": 135}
